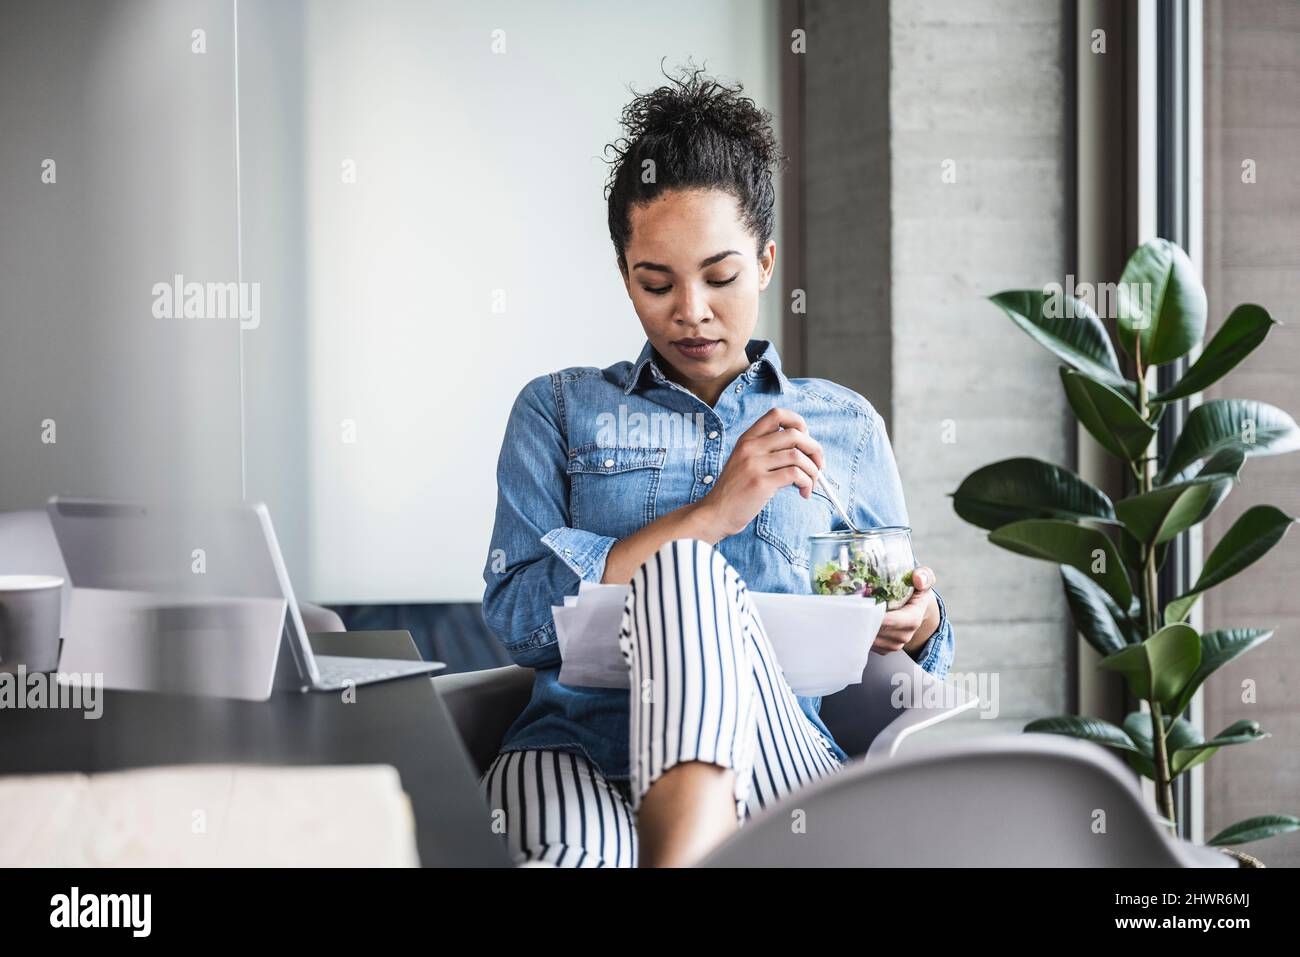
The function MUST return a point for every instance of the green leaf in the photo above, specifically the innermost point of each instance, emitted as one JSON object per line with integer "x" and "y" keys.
{"x": 1159, "y": 667}
{"x": 1130, "y": 549}
{"x": 1240, "y": 334}
{"x": 1256, "y": 531}
{"x": 1255, "y": 829}
{"x": 1169, "y": 510}
{"x": 1178, "y": 734}
{"x": 1141, "y": 764}
{"x": 1137, "y": 725}
{"x": 1161, "y": 304}
{"x": 1096, "y": 616}
{"x": 1107, "y": 415}
{"x": 1068, "y": 544}
{"x": 1068, "y": 328}
{"x": 1217, "y": 649}
{"x": 1239, "y": 732}
{"x": 1138, "y": 728}
{"x": 1255, "y": 428}
{"x": 1020, "y": 488}
{"x": 1227, "y": 461}
{"x": 1081, "y": 726}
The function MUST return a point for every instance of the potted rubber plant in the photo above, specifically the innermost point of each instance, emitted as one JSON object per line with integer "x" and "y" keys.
{"x": 1110, "y": 552}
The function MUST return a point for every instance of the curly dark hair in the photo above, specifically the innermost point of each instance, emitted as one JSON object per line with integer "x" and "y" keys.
{"x": 700, "y": 134}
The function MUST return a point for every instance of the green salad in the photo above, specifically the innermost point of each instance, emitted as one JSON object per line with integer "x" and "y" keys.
{"x": 860, "y": 579}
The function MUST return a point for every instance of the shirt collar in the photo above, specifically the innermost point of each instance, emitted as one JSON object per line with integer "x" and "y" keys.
{"x": 760, "y": 352}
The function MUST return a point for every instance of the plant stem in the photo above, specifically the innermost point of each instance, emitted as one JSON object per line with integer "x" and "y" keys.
{"x": 1150, "y": 599}
{"x": 1164, "y": 792}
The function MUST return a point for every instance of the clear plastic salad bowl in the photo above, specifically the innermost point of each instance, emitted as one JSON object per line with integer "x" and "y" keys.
{"x": 876, "y": 563}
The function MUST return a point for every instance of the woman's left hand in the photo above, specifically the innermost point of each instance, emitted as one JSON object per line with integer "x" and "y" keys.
{"x": 901, "y": 625}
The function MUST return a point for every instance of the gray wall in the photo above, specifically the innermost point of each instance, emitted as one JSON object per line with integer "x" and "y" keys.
{"x": 846, "y": 186}
{"x": 982, "y": 84}
{"x": 141, "y": 131}
{"x": 1252, "y": 254}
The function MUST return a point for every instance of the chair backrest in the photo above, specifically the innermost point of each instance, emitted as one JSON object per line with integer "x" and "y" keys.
{"x": 483, "y": 705}
{"x": 1030, "y": 800}
{"x": 895, "y": 698}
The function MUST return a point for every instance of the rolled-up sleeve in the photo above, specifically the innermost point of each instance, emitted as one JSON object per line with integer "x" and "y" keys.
{"x": 584, "y": 552}
{"x": 878, "y": 500}
{"x": 535, "y": 558}
{"x": 935, "y": 656}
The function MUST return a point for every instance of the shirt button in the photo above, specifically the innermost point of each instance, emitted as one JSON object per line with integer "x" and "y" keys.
{"x": 739, "y": 386}
{"x": 609, "y": 463}
{"x": 708, "y": 480}
{"x": 713, "y": 434}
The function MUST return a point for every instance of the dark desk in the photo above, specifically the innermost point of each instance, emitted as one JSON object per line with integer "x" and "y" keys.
{"x": 403, "y": 723}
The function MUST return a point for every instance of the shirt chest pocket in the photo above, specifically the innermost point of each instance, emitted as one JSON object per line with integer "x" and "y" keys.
{"x": 612, "y": 489}
{"x": 788, "y": 519}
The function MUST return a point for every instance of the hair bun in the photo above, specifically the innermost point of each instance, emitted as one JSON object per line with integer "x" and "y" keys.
{"x": 699, "y": 104}
{"x": 695, "y": 133}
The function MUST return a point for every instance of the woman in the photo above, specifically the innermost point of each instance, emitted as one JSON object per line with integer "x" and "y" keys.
{"x": 688, "y": 474}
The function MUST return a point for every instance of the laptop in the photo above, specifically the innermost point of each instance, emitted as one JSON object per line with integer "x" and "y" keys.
{"x": 192, "y": 600}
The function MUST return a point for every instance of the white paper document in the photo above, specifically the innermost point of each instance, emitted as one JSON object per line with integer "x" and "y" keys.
{"x": 822, "y": 642}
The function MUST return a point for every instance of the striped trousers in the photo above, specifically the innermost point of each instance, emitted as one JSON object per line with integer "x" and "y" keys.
{"x": 704, "y": 686}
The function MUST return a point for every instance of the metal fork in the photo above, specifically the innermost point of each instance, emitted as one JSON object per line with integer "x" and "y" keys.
{"x": 835, "y": 500}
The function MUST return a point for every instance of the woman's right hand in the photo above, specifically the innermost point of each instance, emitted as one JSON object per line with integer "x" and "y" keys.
{"x": 774, "y": 452}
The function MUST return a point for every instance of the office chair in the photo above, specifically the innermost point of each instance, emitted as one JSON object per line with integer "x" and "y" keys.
{"x": 1007, "y": 800}
{"x": 1027, "y": 800}
{"x": 862, "y": 717}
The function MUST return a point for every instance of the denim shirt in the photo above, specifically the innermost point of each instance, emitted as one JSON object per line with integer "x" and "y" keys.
{"x": 592, "y": 455}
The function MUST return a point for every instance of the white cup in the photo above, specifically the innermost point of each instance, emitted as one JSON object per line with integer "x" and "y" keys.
{"x": 29, "y": 622}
